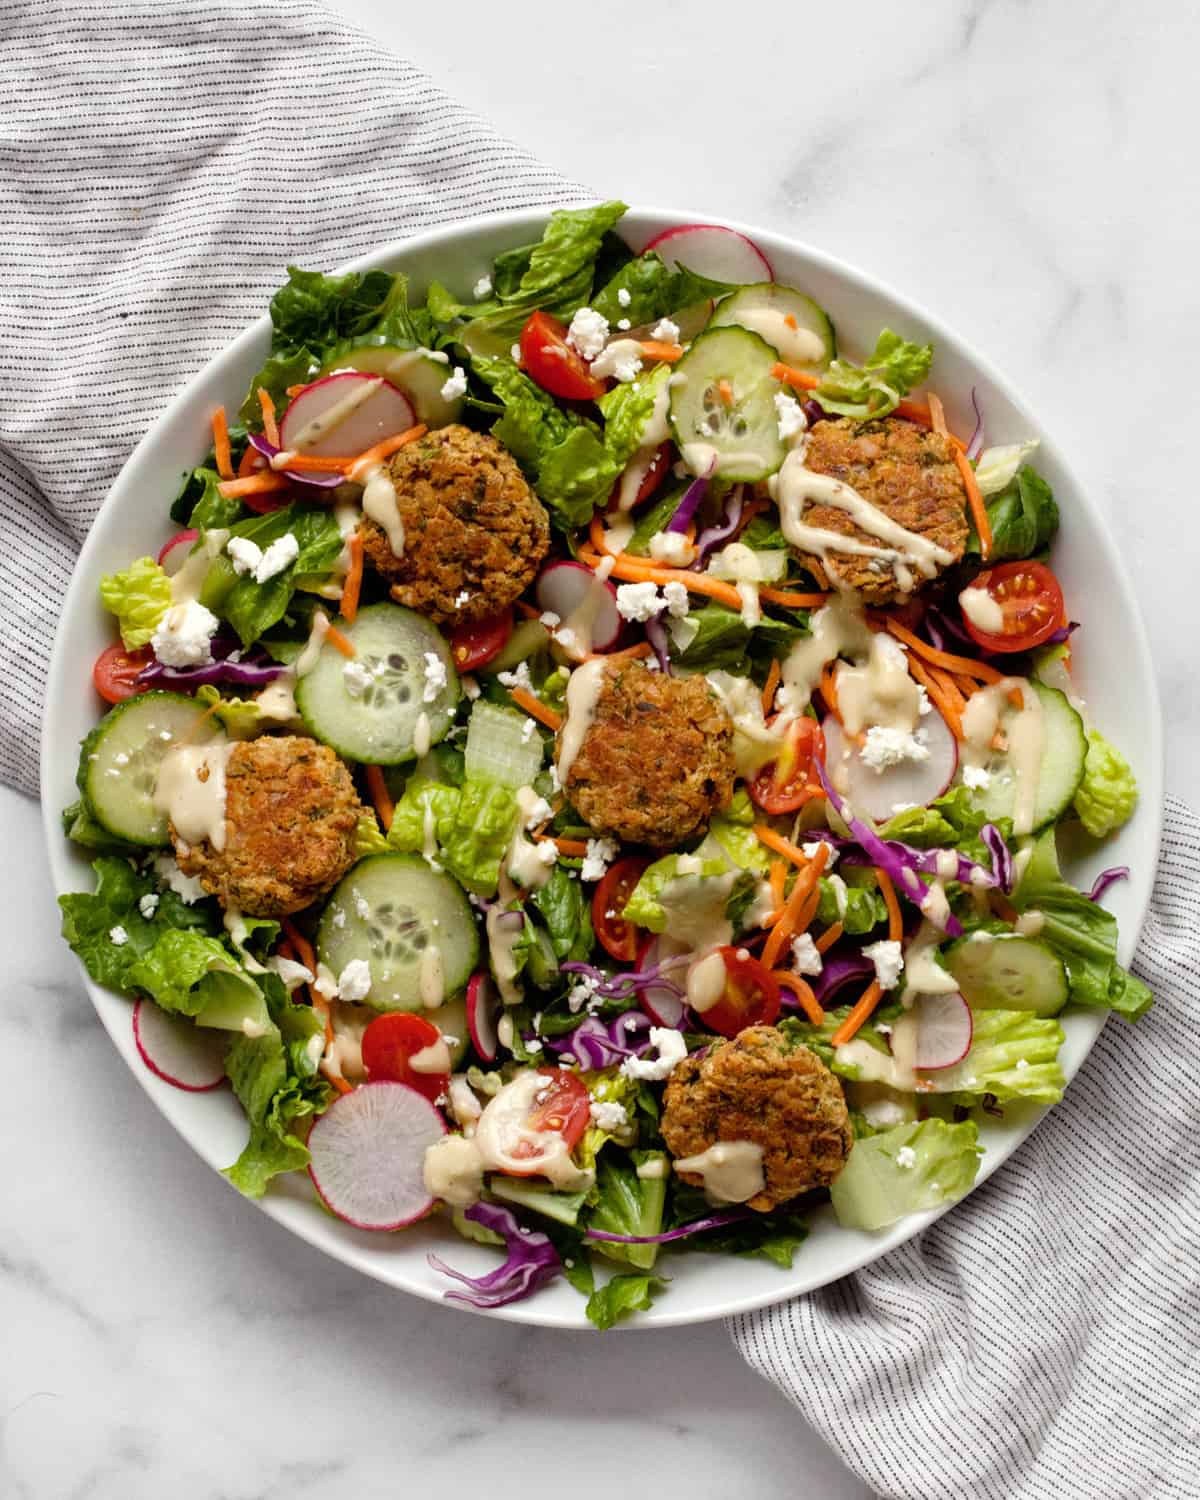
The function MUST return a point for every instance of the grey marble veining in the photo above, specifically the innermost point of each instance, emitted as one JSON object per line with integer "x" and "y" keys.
{"x": 1020, "y": 169}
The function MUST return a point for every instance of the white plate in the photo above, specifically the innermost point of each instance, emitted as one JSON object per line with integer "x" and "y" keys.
{"x": 1110, "y": 653}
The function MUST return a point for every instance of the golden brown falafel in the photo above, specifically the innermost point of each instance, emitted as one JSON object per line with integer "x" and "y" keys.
{"x": 474, "y": 532}
{"x": 657, "y": 759}
{"x": 290, "y": 816}
{"x": 907, "y": 472}
{"x": 760, "y": 1087}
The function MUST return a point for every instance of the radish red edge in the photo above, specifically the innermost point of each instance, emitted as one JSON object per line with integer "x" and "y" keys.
{"x": 483, "y": 1011}
{"x": 382, "y": 414}
{"x": 569, "y": 589}
{"x": 367, "y": 1155}
{"x": 177, "y": 540}
{"x": 663, "y": 1006}
{"x": 713, "y": 250}
{"x": 176, "y": 1050}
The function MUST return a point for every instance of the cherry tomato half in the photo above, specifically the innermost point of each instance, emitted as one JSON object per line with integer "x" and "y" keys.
{"x": 1030, "y": 600}
{"x": 550, "y": 360}
{"x": 116, "y": 671}
{"x": 786, "y": 783}
{"x": 750, "y": 998}
{"x": 473, "y": 645}
{"x": 562, "y": 1107}
{"x": 392, "y": 1041}
{"x": 660, "y": 466}
{"x": 618, "y": 937}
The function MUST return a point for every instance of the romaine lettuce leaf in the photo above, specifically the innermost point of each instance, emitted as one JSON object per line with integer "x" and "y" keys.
{"x": 317, "y": 311}
{"x": 1013, "y": 1055}
{"x": 252, "y": 608}
{"x": 661, "y": 882}
{"x": 194, "y": 975}
{"x": 565, "y": 912}
{"x": 1023, "y": 517}
{"x": 621, "y": 1296}
{"x": 996, "y": 468}
{"x": 857, "y": 906}
{"x": 723, "y": 641}
{"x": 139, "y": 597}
{"x": 654, "y": 290}
{"x": 202, "y": 506}
{"x": 1108, "y": 793}
{"x": 472, "y": 824}
{"x": 624, "y": 1203}
{"x": 905, "y": 1170}
{"x": 422, "y": 801}
{"x": 875, "y": 388}
{"x": 775, "y": 1236}
{"x": 627, "y": 410}
{"x": 570, "y": 244}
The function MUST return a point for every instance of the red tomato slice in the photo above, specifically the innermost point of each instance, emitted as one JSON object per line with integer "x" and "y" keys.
{"x": 475, "y": 644}
{"x": 751, "y": 996}
{"x": 116, "y": 671}
{"x": 1031, "y": 605}
{"x": 563, "y": 1108}
{"x": 786, "y": 783}
{"x": 389, "y": 1045}
{"x": 550, "y": 360}
{"x": 618, "y": 937}
{"x": 659, "y": 468}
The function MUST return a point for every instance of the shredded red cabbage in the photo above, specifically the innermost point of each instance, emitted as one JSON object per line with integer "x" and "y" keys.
{"x": 656, "y": 634}
{"x": 238, "y": 673}
{"x": 1106, "y": 878}
{"x": 837, "y": 973}
{"x": 697, "y": 1226}
{"x": 975, "y": 446}
{"x": 1002, "y": 860}
{"x": 686, "y": 509}
{"x": 598, "y": 1044}
{"x": 712, "y": 536}
{"x": 297, "y": 476}
{"x": 1063, "y": 633}
{"x": 531, "y": 1261}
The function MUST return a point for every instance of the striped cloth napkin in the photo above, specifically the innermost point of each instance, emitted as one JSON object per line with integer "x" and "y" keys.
{"x": 160, "y": 164}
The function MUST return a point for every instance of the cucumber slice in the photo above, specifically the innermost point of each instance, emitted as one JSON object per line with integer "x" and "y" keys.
{"x": 379, "y": 725}
{"x": 418, "y": 374}
{"x": 1064, "y": 751}
{"x": 741, "y": 436}
{"x": 528, "y": 637}
{"x": 119, "y": 762}
{"x": 791, "y": 323}
{"x": 390, "y": 910}
{"x": 1008, "y": 973}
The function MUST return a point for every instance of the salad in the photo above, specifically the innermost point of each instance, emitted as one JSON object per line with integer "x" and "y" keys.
{"x": 587, "y": 765}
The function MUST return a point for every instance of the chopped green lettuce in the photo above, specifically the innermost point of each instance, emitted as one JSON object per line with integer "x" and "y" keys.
{"x": 194, "y": 975}
{"x": 627, "y": 410}
{"x": 905, "y": 1170}
{"x": 472, "y": 827}
{"x": 565, "y": 912}
{"x": 857, "y": 906}
{"x": 241, "y": 718}
{"x": 621, "y": 1296}
{"x": 625, "y": 1203}
{"x": 1013, "y": 1055}
{"x": 661, "y": 886}
{"x": 721, "y": 640}
{"x": 996, "y": 468}
{"x": 139, "y": 597}
{"x": 654, "y": 289}
{"x": 499, "y": 746}
{"x": 1108, "y": 793}
{"x": 251, "y": 607}
{"x": 731, "y": 833}
{"x": 1023, "y": 517}
{"x": 204, "y": 508}
{"x": 875, "y": 388}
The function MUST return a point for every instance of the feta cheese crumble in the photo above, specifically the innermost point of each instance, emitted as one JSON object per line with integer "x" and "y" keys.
{"x": 600, "y": 854}
{"x": 456, "y": 385}
{"x": 356, "y": 677}
{"x": 518, "y": 679}
{"x": 810, "y": 851}
{"x": 244, "y": 554}
{"x": 183, "y": 637}
{"x": 677, "y": 600}
{"x": 608, "y": 1115}
{"x": 623, "y": 296}
{"x": 435, "y": 676}
{"x": 582, "y": 994}
{"x": 805, "y": 958}
{"x": 621, "y": 359}
{"x": 354, "y": 982}
{"x": 666, "y": 331}
{"x": 888, "y": 960}
{"x": 538, "y": 812}
{"x": 671, "y": 1049}
{"x": 639, "y": 601}
{"x": 976, "y": 778}
{"x": 148, "y": 904}
{"x": 789, "y": 415}
{"x": 588, "y": 332}
{"x": 887, "y": 747}
{"x": 117, "y": 936}
{"x": 483, "y": 288}
{"x": 186, "y": 887}
{"x": 515, "y": 354}
{"x": 672, "y": 548}
{"x": 906, "y": 1157}
{"x": 281, "y": 554}
{"x": 624, "y": 324}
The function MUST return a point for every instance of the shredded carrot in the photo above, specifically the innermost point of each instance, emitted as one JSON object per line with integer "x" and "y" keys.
{"x": 304, "y": 949}
{"x": 802, "y": 991}
{"x": 195, "y": 727}
{"x": 666, "y": 354}
{"x": 923, "y": 416}
{"x": 934, "y": 687}
{"x": 381, "y": 797}
{"x": 769, "y": 687}
{"x": 270, "y": 425}
{"x": 535, "y": 708}
{"x": 803, "y": 888}
{"x": 975, "y": 501}
{"x": 801, "y": 379}
{"x": 862, "y": 1012}
{"x": 725, "y": 391}
{"x": 220, "y": 431}
{"x": 888, "y": 892}
{"x": 384, "y": 450}
{"x": 1003, "y": 907}
{"x": 285, "y": 950}
{"x": 251, "y": 462}
{"x": 310, "y": 462}
{"x": 630, "y": 653}
{"x": 294, "y": 390}
{"x": 943, "y": 659}
{"x": 572, "y": 848}
{"x": 792, "y": 600}
{"x": 352, "y": 587}
{"x": 339, "y": 642}
{"x": 937, "y": 416}
{"x": 949, "y": 687}
{"x": 253, "y": 484}
{"x": 638, "y": 570}
{"x": 829, "y": 937}
{"x": 790, "y": 322}
{"x": 829, "y": 689}
{"x": 780, "y": 845}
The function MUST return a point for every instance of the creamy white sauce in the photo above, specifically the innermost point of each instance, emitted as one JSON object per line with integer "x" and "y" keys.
{"x": 432, "y": 1059}
{"x": 618, "y": 532}
{"x": 278, "y": 699}
{"x": 795, "y": 486}
{"x": 583, "y": 694}
{"x": 935, "y": 905}
{"x": 897, "y": 1069}
{"x": 187, "y": 583}
{"x": 695, "y": 909}
{"x": 653, "y": 1170}
{"x": 879, "y": 691}
{"x": 989, "y": 713}
{"x": 343, "y": 1055}
{"x": 332, "y": 418}
{"x": 654, "y": 436}
{"x": 429, "y": 847}
{"x": 923, "y": 974}
{"x": 502, "y": 934}
{"x": 982, "y": 610}
{"x": 575, "y": 632}
{"x": 380, "y": 504}
{"x": 706, "y": 982}
{"x": 453, "y": 1171}
{"x": 947, "y": 864}
{"x": 754, "y": 741}
{"x": 838, "y": 626}
{"x": 190, "y": 790}
{"x": 730, "y": 1171}
{"x": 422, "y": 735}
{"x": 235, "y": 925}
{"x": 1030, "y": 923}
{"x": 431, "y": 984}
{"x": 525, "y": 862}
{"x": 795, "y": 345}
{"x": 502, "y": 1132}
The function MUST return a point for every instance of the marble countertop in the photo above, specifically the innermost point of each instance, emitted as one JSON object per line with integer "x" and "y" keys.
{"x": 1005, "y": 165}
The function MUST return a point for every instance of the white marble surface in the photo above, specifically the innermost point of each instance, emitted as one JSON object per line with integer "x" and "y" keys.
{"x": 1021, "y": 169}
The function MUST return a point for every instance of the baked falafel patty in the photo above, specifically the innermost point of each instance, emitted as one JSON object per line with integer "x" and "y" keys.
{"x": 290, "y": 816}
{"x": 905, "y": 471}
{"x": 657, "y": 759}
{"x": 475, "y": 534}
{"x": 760, "y": 1087}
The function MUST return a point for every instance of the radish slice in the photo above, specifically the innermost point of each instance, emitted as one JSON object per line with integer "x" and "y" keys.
{"x": 178, "y": 540}
{"x": 344, "y": 415}
{"x": 879, "y": 795}
{"x": 368, "y": 1155}
{"x": 483, "y": 1014}
{"x": 944, "y": 1031}
{"x": 586, "y": 606}
{"x": 661, "y": 1002}
{"x": 714, "y": 251}
{"x": 177, "y": 1050}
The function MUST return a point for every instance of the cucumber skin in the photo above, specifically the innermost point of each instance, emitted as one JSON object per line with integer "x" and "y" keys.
{"x": 720, "y": 318}
{"x": 87, "y": 765}
{"x": 692, "y": 359}
{"x": 1050, "y": 810}
{"x": 373, "y": 356}
{"x": 1044, "y": 1007}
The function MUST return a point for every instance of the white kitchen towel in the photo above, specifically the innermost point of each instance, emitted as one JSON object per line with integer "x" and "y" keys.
{"x": 1042, "y": 1340}
{"x": 161, "y": 162}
